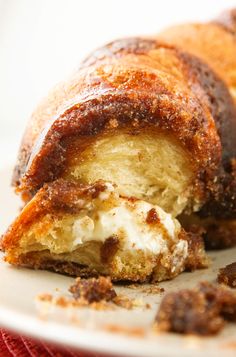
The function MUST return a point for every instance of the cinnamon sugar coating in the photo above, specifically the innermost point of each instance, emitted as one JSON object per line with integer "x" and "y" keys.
{"x": 112, "y": 92}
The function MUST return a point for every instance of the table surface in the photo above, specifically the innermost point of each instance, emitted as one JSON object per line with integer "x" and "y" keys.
{"x": 12, "y": 345}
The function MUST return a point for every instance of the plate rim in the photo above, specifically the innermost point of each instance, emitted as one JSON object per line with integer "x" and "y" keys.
{"x": 119, "y": 345}
{"x": 95, "y": 340}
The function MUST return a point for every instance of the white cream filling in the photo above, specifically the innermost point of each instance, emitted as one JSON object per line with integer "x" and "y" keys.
{"x": 126, "y": 219}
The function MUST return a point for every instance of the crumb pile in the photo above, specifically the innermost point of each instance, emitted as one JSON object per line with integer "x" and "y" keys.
{"x": 202, "y": 310}
{"x": 93, "y": 289}
{"x": 227, "y": 275}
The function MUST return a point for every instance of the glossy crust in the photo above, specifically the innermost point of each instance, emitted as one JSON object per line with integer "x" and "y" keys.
{"x": 215, "y": 44}
{"x": 135, "y": 86}
{"x": 144, "y": 85}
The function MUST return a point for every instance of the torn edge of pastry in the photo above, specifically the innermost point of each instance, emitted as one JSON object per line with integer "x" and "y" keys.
{"x": 92, "y": 230}
{"x": 202, "y": 310}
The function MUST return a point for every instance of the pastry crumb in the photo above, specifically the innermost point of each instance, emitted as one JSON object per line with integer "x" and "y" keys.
{"x": 150, "y": 289}
{"x": 95, "y": 293}
{"x": 227, "y": 275}
{"x": 66, "y": 302}
{"x": 201, "y": 311}
{"x": 93, "y": 289}
{"x": 131, "y": 331}
{"x": 45, "y": 297}
{"x": 127, "y": 303}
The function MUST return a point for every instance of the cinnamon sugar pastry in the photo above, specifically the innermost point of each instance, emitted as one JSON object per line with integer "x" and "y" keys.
{"x": 143, "y": 132}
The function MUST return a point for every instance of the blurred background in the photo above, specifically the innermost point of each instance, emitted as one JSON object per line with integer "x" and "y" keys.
{"x": 42, "y": 41}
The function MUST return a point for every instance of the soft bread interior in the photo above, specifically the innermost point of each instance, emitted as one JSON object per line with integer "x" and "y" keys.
{"x": 152, "y": 166}
{"x": 127, "y": 238}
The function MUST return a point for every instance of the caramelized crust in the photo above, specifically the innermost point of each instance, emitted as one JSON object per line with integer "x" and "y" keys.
{"x": 144, "y": 85}
{"x": 215, "y": 44}
{"x": 57, "y": 199}
{"x": 154, "y": 117}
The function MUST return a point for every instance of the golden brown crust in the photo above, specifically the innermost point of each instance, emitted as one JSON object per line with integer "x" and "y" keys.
{"x": 45, "y": 261}
{"x": 223, "y": 200}
{"x": 193, "y": 105}
{"x": 215, "y": 44}
{"x": 138, "y": 96}
{"x": 212, "y": 42}
{"x": 58, "y": 197}
{"x": 34, "y": 260}
{"x": 135, "y": 86}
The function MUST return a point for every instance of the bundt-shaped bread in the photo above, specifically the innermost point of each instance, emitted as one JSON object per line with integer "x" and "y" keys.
{"x": 156, "y": 119}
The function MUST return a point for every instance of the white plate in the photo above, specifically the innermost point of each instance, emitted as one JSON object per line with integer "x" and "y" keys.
{"x": 88, "y": 329}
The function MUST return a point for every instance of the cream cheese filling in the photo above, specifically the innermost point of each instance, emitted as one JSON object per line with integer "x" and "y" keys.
{"x": 138, "y": 226}
{"x": 127, "y": 220}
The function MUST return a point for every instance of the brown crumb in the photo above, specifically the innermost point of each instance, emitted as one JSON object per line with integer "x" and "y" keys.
{"x": 224, "y": 298}
{"x": 45, "y": 297}
{"x": 150, "y": 289}
{"x": 131, "y": 331}
{"x": 153, "y": 289}
{"x": 227, "y": 275}
{"x": 197, "y": 257}
{"x": 200, "y": 311}
{"x": 219, "y": 236}
{"x": 109, "y": 249}
{"x": 97, "y": 293}
{"x": 93, "y": 289}
{"x": 123, "y": 301}
{"x": 127, "y": 303}
{"x": 152, "y": 217}
{"x": 62, "y": 301}
{"x": 66, "y": 302}
{"x": 134, "y": 286}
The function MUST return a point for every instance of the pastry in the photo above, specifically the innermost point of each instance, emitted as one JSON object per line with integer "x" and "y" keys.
{"x": 141, "y": 134}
